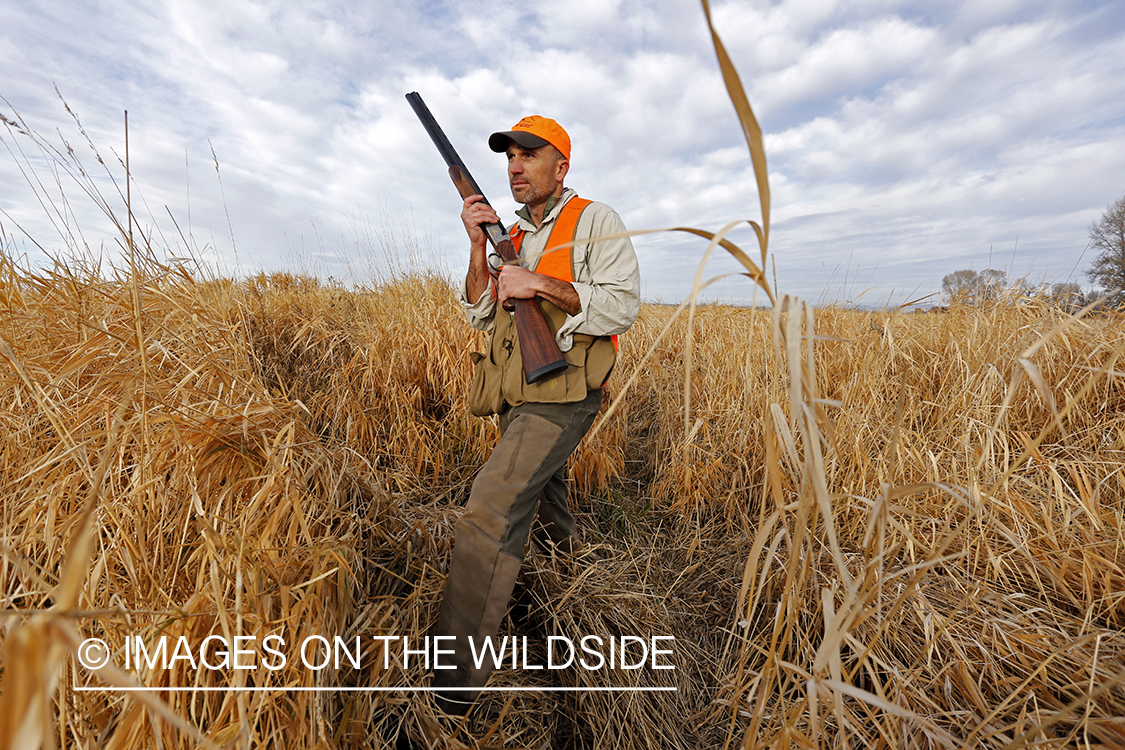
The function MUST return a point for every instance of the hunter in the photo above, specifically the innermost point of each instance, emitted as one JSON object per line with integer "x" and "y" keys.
{"x": 590, "y": 293}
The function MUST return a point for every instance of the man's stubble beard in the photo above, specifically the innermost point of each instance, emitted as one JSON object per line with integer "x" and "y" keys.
{"x": 530, "y": 194}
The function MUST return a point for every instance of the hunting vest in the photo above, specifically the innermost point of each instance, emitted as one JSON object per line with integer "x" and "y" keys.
{"x": 498, "y": 374}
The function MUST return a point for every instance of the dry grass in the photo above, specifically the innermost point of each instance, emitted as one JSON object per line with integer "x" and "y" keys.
{"x": 863, "y": 530}
{"x": 865, "y": 558}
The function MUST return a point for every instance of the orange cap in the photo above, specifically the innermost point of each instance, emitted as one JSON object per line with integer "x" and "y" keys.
{"x": 533, "y": 132}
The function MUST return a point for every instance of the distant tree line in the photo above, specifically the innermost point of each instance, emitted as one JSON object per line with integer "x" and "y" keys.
{"x": 966, "y": 287}
{"x": 1107, "y": 271}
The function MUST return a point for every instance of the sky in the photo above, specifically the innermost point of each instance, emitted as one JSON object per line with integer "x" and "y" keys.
{"x": 904, "y": 140}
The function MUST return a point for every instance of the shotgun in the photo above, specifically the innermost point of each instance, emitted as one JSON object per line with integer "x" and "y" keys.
{"x": 541, "y": 353}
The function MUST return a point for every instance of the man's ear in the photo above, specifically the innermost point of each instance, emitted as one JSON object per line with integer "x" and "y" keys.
{"x": 562, "y": 166}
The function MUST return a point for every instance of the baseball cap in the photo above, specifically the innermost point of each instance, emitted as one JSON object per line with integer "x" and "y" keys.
{"x": 532, "y": 132}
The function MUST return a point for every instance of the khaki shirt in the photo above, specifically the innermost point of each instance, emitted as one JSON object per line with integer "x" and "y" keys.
{"x": 607, "y": 276}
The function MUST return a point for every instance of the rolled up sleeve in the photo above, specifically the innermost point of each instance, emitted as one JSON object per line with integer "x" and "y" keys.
{"x": 480, "y": 313}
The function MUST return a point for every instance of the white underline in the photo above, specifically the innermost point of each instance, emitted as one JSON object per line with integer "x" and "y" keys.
{"x": 375, "y": 689}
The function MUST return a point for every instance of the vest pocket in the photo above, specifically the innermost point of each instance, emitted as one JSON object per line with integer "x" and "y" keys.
{"x": 600, "y": 357}
{"x": 486, "y": 392}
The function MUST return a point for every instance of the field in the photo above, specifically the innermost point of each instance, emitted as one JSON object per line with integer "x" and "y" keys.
{"x": 904, "y": 531}
{"x": 861, "y": 529}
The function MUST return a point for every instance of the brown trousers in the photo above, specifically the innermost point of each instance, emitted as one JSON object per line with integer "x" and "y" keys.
{"x": 524, "y": 477}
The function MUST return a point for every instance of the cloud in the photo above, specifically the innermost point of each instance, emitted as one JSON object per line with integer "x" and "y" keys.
{"x": 903, "y": 139}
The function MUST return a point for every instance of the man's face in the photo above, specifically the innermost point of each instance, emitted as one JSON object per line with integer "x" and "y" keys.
{"x": 535, "y": 174}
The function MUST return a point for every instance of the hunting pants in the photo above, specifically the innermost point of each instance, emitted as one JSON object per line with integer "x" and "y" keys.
{"x": 525, "y": 473}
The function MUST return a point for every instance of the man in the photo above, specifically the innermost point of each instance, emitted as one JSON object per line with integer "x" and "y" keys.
{"x": 590, "y": 293}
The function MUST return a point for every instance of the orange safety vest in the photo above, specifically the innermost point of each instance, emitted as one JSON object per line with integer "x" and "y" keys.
{"x": 559, "y": 262}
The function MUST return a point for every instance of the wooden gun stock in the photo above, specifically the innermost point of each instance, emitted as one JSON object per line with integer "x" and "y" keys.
{"x": 541, "y": 353}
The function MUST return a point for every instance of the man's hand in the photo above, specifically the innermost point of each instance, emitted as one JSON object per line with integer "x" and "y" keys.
{"x": 516, "y": 282}
{"x": 475, "y": 212}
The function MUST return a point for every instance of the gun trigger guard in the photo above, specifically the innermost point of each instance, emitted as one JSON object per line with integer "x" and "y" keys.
{"x": 495, "y": 262}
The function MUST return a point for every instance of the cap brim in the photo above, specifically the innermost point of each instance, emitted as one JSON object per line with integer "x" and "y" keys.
{"x": 498, "y": 142}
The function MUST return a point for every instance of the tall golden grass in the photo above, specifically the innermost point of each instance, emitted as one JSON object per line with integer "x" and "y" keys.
{"x": 904, "y": 553}
{"x": 864, "y": 530}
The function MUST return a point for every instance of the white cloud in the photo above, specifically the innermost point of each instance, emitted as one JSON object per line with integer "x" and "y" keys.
{"x": 902, "y": 138}
{"x": 849, "y": 60}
